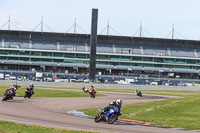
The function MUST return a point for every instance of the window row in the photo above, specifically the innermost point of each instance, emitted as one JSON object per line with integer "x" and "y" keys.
{"x": 101, "y": 57}
{"x": 99, "y": 62}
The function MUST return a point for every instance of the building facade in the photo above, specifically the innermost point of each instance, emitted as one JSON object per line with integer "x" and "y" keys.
{"x": 116, "y": 55}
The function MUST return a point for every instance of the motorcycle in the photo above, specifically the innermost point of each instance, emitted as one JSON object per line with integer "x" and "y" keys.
{"x": 28, "y": 92}
{"x": 139, "y": 93}
{"x": 8, "y": 95}
{"x": 85, "y": 89}
{"x": 109, "y": 116}
{"x": 92, "y": 93}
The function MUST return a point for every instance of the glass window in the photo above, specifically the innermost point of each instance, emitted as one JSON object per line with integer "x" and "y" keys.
{"x": 180, "y": 61}
{"x": 113, "y": 63}
{"x": 158, "y": 65}
{"x": 24, "y": 59}
{"x": 46, "y": 60}
{"x": 35, "y": 59}
{"x": 137, "y": 58}
{"x": 198, "y": 61}
{"x": 124, "y": 64}
{"x": 68, "y": 61}
{"x": 101, "y": 62}
{"x": 13, "y": 52}
{"x": 115, "y": 57}
{"x": 12, "y": 58}
{"x": 24, "y": 52}
{"x": 34, "y": 53}
{"x": 3, "y": 58}
{"x": 148, "y": 59}
{"x": 47, "y": 54}
{"x": 170, "y": 61}
{"x": 158, "y": 60}
{"x": 3, "y": 52}
{"x": 86, "y": 62}
{"x": 69, "y": 55}
{"x": 191, "y": 61}
{"x": 126, "y": 58}
{"x": 103, "y": 57}
{"x": 58, "y": 60}
{"x": 78, "y": 61}
{"x": 81, "y": 56}
{"x": 75, "y": 61}
{"x": 58, "y": 54}
{"x": 148, "y": 65}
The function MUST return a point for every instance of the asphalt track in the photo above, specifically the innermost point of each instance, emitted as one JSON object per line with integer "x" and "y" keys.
{"x": 52, "y": 112}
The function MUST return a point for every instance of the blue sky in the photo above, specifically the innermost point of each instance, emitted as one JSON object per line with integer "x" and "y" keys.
{"x": 157, "y": 16}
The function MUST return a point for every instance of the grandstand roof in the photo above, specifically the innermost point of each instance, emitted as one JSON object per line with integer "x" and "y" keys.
{"x": 14, "y": 34}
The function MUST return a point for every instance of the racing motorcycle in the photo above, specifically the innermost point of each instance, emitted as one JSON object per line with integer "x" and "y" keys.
{"x": 7, "y": 95}
{"x": 139, "y": 93}
{"x": 92, "y": 93}
{"x": 108, "y": 115}
{"x": 28, "y": 92}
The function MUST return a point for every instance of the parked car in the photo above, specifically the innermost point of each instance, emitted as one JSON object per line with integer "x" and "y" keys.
{"x": 156, "y": 83}
{"x": 57, "y": 79}
{"x": 20, "y": 78}
{"x": 86, "y": 81}
{"x": 12, "y": 77}
{"x": 170, "y": 84}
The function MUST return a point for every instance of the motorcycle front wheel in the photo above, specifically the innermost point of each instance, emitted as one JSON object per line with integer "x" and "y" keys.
{"x": 112, "y": 118}
{"x": 4, "y": 98}
{"x": 97, "y": 118}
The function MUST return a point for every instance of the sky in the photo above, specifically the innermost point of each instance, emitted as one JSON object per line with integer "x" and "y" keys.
{"x": 157, "y": 17}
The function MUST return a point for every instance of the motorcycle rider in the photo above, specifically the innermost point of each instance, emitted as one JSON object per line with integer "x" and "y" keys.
{"x": 14, "y": 88}
{"x": 10, "y": 91}
{"x": 115, "y": 104}
{"x": 138, "y": 92}
{"x": 92, "y": 91}
{"x": 31, "y": 86}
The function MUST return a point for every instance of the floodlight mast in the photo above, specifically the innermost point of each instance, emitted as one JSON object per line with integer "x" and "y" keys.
{"x": 93, "y": 43}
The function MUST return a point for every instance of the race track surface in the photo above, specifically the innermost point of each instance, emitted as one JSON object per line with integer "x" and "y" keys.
{"x": 52, "y": 112}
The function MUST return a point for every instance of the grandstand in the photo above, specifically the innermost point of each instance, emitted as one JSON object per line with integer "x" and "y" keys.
{"x": 116, "y": 55}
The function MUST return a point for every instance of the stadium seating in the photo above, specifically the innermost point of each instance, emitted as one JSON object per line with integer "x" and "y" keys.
{"x": 182, "y": 52}
{"x": 155, "y": 50}
{"x": 105, "y": 48}
{"x": 128, "y": 49}
{"x": 135, "y": 49}
{"x": 16, "y": 43}
{"x": 73, "y": 46}
{"x": 48, "y": 45}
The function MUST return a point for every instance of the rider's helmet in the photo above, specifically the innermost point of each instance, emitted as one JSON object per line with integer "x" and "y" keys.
{"x": 119, "y": 102}
{"x": 31, "y": 85}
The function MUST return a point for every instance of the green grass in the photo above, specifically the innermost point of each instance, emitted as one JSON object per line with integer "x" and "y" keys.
{"x": 179, "y": 113}
{"x": 98, "y": 89}
{"x": 48, "y": 93}
{"x": 10, "y": 127}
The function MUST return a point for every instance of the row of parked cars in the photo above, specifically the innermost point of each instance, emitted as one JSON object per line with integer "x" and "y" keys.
{"x": 174, "y": 84}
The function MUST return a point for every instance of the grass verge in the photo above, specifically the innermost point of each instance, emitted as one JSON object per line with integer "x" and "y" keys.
{"x": 178, "y": 113}
{"x": 48, "y": 93}
{"x": 10, "y": 127}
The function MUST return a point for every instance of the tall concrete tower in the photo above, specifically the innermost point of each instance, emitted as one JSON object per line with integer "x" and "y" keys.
{"x": 93, "y": 43}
